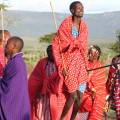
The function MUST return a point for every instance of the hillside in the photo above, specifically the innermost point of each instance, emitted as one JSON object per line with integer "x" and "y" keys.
{"x": 35, "y": 24}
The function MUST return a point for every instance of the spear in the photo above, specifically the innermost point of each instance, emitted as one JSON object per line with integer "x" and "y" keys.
{"x": 55, "y": 23}
{"x": 103, "y": 66}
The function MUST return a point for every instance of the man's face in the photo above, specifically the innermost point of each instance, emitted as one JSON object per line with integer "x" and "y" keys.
{"x": 78, "y": 10}
{"x": 93, "y": 55}
{"x": 9, "y": 47}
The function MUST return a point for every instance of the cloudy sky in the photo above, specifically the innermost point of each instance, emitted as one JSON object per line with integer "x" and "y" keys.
{"x": 91, "y": 6}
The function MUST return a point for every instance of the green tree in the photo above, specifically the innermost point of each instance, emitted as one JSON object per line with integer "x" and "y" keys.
{"x": 3, "y": 6}
{"x": 8, "y": 20}
{"x": 46, "y": 38}
{"x": 116, "y": 45}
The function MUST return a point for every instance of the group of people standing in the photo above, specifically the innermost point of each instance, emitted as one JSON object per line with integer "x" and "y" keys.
{"x": 64, "y": 84}
{"x": 74, "y": 85}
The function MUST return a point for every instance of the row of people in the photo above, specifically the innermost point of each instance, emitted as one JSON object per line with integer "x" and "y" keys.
{"x": 47, "y": 101}
{"x": 46, "y": 94}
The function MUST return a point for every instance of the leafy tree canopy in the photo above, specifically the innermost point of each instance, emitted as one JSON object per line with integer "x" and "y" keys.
{"x": 47, "y": 38}
{"x": 116, "y": 45}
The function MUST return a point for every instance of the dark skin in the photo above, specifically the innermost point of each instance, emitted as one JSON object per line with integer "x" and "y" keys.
{"x": 11, "y": 49}
{"x": 75, "y": 97}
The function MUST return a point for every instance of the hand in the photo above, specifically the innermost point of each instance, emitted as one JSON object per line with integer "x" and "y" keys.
{"x": 75, "y": 43}
{"x": 90, "y": 73}
{"x": 64, "y": 72}
{"x": 93, "y": 93}
{"x": 35, "y": 105}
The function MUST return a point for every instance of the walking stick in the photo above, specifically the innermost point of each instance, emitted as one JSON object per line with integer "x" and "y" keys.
{"x": 2, "y": 27}
{"x": 2, "y": 23}
{"x": 103, "y": 67}
{"x": 56, "y": 27}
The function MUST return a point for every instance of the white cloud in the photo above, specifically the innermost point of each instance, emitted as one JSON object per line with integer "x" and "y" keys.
{"x": 91, "y": 6}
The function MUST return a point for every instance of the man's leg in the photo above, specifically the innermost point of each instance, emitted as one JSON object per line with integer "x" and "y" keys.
{"x": 76, "y": 105}
{"x": 69, "y": 101}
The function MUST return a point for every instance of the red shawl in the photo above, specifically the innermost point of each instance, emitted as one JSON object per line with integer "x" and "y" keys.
{"x": 40, "y": 83}
{"x": 98, "y": 82}
{"x": 74, "y": 56}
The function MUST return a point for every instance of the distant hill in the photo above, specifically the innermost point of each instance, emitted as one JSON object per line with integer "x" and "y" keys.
{"x": 35, "y": 24}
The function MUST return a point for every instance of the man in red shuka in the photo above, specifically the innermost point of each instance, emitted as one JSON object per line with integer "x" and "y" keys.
{"x": 71, "y": 42}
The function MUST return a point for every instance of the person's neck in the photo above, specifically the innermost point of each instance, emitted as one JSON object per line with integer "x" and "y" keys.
{"x": 93, "y": 60}
{"x": 16, "y": 53}
{"x": 76, "y": 20}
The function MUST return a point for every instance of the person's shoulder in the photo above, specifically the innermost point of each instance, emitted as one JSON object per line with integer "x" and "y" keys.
{"x": 67, "y": 20}
{"x": 43, "y": 60}
{"x": 98, "y": 63}
{"x": 84, "y": 24}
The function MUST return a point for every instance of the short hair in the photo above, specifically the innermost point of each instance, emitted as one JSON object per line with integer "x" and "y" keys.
{"x": 97, "y": 48}
{"x": 49, "y": 48}
{"x": 18, "y": 42}
{"x": 73, "y": 4}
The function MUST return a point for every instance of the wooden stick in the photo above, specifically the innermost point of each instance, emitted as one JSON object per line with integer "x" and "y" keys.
{"x": 55, "y": 23}
{"x": 103, "y": 67}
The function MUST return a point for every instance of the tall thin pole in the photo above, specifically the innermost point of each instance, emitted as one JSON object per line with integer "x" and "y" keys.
{"x": 55, "y": 23}
{"x": 2, "y": 22}
{"x": 103, "y": 66}
{"x": 53, "y": 14}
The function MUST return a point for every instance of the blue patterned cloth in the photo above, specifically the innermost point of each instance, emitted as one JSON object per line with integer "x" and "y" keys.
{"x": 74, "y": 31}
{"x": 82, "y": 87}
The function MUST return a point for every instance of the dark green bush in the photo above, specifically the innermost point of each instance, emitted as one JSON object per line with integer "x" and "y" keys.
{"x": 46, "y": 38}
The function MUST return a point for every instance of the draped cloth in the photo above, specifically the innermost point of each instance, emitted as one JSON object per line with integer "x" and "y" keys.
{"x": 97, "y": 81}
{"x": 43, "y": 82}
{"x": 1, "y": 70}
{"x": 2, "y": 61}
{"x": 113, "y": 84}
{"x": 74, "y": 56}
{"x": 14, "y": 98}
{"x": 75, "y": 61}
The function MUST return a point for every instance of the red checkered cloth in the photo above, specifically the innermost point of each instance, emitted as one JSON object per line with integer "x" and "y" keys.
{"x": 75, "y": 59}
{"x": 83, "y": 116}
{"x": 114, "y": 84}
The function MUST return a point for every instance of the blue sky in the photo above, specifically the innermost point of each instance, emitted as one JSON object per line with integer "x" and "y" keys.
{"x": 91, "y": 6}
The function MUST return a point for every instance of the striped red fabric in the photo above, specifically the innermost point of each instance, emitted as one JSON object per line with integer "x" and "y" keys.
{"x": 114, "y": 83}
{"x": 98, "y": 82}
